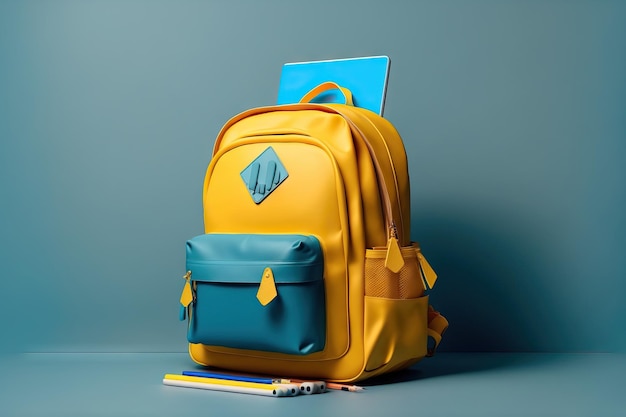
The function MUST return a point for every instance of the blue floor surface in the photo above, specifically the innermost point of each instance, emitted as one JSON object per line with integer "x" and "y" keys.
{"x": 495, "y": 384}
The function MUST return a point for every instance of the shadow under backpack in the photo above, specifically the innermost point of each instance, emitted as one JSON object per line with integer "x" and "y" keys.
{"x": 306, "y": 268}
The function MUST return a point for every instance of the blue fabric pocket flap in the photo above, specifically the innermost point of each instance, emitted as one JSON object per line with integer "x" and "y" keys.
{"x": 242, "y": 258}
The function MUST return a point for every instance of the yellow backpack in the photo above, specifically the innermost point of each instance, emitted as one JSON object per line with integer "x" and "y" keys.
{"x": 306, "y": 268}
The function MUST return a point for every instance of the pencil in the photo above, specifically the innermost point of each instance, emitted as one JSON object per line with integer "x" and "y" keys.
{"x": 309, "y": 387}
{"x": 269, "y": 390}
{"x": 232, "y": 377}
{"x": 342, "y": 387}
{"x": 321, "y": 386}
{"x": 293, "y": 389}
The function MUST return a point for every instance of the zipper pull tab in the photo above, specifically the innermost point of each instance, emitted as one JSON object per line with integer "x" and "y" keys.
{"x": 186, "y": 297}
{"x": 428, "y": 273}
{"x": 267, "y": 288}
{"x": 394, "y": 260}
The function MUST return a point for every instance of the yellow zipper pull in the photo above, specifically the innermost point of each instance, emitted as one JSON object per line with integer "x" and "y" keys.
{"x": 428, "y": 273}
{"x": 267, "y": 288}
{"x": 394, "y": 260}
{"x": 186, "y": 297}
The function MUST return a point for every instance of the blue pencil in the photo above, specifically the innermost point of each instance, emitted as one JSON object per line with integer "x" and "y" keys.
{"x": 230, "y": 377}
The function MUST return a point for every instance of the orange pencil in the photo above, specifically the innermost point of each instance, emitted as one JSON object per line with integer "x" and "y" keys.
{"x": 343, "y": 387}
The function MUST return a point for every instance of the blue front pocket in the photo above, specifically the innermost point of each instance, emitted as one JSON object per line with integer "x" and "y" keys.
{"x": 288, "y": 314}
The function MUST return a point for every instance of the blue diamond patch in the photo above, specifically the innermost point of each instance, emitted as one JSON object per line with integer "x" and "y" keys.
{"x": 264, "y": 175}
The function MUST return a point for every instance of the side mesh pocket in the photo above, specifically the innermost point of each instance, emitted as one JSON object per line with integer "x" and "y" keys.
{"x": 395, "y": 311}
{"x": 381, "y": 282}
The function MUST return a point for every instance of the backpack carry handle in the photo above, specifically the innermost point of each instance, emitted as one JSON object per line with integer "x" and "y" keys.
{"x": 327, "y": 86}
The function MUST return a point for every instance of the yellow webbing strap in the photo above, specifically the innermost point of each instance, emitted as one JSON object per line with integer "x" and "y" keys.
{"x": 437, "y": 326}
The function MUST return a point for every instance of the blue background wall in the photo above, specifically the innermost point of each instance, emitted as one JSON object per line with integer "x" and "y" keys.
{"x": 513, "y": 113}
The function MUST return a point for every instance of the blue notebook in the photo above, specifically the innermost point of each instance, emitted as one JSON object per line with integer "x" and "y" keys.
{"x": 365, "y": 77}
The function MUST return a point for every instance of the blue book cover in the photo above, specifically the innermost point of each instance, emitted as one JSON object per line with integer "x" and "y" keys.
{"x": 365, "y": 77}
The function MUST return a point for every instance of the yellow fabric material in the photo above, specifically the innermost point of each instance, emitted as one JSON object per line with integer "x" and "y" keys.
{"x": 389, "y": 340}
{"x": 354, "y": 202}
{"x": 437, "y": 326}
